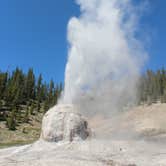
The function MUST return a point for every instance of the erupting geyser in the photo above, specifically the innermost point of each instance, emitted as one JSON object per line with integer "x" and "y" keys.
{"x": 102, "y": 72}
{"x": 105, "y": 57}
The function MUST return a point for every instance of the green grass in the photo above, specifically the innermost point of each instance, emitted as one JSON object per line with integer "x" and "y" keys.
{"x": 15, "y": 143}
{"x": 25, "y": 133}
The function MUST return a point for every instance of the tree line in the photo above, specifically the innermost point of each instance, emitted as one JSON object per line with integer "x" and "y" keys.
{"x": 23, "y": 94}
{"x": 153, "y": 87}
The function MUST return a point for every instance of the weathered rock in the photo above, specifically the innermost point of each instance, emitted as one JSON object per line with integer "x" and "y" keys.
{"x": 63, "y": 123}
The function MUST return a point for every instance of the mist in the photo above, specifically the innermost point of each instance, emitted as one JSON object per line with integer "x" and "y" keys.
{"x": 105, "y": 57}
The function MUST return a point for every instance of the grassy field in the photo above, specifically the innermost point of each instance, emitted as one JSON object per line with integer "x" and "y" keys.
{"x": 25, "y": 133}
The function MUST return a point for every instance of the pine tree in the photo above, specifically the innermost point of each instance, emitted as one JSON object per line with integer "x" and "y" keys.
{"x": 38, "y": 106}
{"x": 51, "y": 94}
{"x": 32, "y": 109}
{"x": 15, "y": 87}
{"x": 11, "y": 120}
{"x": 1, "y": 104}
{"x": 158, "y": 85}
{"x": 56, "y": 95}
{"x": 1, "y": 114}
{"x": 19, "y": 89}
{"x": 44, "y": 92}
{"x": 3, "y": 84}
{"x": 163, "y": 85}
{"x": 26, "y": 116}
{"x": 30, "y": 85}
{"x": 46, "y": 106}
{"x": 39, "y": 89}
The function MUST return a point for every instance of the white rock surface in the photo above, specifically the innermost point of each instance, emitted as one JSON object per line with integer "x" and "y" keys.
{"x": 117, "y": 148}
{"x": 63, "y": 123}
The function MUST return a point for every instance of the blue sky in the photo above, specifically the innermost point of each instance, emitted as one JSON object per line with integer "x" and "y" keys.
{"x": 33, "y": 34}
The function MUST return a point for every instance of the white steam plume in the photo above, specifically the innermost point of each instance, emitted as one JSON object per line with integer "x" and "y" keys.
{"x": 104, "y": 58}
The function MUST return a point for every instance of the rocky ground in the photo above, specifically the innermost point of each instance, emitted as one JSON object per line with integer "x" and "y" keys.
{"x": 136, "y": 137}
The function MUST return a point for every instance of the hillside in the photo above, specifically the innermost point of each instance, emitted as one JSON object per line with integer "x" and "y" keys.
{"x": 24, "y": 99}
{"x": 24, "y": 134}
{"x": 135, "y": 137}
{"x": 141, "y": 122}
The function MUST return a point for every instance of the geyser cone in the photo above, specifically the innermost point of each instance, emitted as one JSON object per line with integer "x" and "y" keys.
{"x": 63, "y": 123}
